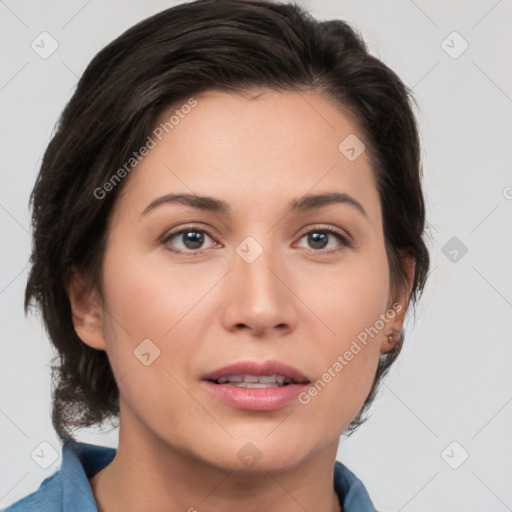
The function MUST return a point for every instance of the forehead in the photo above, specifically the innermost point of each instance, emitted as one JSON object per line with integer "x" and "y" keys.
{"x": 252, "y": 150}
{"x": 257, "y": 126}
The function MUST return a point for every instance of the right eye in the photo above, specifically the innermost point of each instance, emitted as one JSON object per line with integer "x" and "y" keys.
{"x": 192, "y": 239}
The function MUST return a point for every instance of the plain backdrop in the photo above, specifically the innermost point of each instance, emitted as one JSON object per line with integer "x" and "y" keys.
{"x": 439, "y": 433}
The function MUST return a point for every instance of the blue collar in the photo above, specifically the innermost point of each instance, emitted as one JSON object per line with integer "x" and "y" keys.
{"x": 68, "y": 490}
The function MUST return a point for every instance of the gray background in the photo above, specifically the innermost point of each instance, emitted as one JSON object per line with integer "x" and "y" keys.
{"x": 453, "y": 379}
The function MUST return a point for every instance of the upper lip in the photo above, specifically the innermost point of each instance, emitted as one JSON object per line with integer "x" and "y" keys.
{"x": 257, "y": 368}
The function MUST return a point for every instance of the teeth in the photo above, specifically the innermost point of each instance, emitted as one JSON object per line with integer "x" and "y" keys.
{"x": 257, "y": 381}
{"x": 266, "y": 378}
{"x": 253, "y": 385}
{"x": 231, "y": 378}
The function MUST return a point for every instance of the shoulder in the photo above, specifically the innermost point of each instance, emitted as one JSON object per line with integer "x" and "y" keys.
{"x": 351, "y": 491}
{"x": 68, "y": 490}
{"x": 47, "y": 497}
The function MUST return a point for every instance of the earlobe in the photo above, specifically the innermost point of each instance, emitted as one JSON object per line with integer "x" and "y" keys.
{"x": 393, "y": 333}
{"x": 389, "y": 342}
{"x": 86, "y": 309}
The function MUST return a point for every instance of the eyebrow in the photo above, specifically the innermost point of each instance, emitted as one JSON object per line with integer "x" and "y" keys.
{"x": 210, "y": 204}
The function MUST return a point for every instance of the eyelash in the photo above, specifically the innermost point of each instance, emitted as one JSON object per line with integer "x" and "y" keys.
{"x": 345, "y": 241}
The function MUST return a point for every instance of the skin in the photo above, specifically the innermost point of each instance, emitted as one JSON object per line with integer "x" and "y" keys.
{"x": 297, "y": 302}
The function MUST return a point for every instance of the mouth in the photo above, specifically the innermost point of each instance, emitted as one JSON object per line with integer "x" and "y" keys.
{"x": 256, "y": 386}
{"x": 256, "y": 381}
{"x": 254, "y": 374}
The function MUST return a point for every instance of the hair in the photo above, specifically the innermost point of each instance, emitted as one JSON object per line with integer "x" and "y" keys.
{"x": 231, "y": 46}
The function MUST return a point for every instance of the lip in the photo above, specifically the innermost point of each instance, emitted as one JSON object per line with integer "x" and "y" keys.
{"x": 256, "y": 399}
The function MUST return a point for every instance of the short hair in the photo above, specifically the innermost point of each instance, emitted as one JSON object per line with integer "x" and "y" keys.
{"x": 224, "y": 45}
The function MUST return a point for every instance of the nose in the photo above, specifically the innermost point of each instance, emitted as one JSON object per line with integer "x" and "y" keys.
{"x": 259, "y": 297}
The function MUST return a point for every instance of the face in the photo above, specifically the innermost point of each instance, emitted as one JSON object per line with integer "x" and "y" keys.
{"x": 189, "y": 290}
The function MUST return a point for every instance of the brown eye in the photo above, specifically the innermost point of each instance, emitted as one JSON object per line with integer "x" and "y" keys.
{"x": 319, "y": 239}
{"x": 192, "y": 239}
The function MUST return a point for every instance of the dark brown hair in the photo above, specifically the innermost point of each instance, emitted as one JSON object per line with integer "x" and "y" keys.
{"x": 227, "y": 45}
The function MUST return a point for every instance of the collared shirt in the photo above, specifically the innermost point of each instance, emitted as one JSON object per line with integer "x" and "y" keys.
{"x": 68, "y": 490}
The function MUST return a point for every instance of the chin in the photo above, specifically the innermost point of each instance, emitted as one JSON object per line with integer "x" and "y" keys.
{"x": 260, "y": 454}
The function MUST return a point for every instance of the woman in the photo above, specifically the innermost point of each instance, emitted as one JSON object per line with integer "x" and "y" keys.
{"x": 228, "y": 233}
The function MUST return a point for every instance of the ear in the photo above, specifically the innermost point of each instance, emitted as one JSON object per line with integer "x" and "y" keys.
{"x": 399, "y": 306}
{"x": 86, "y": 309}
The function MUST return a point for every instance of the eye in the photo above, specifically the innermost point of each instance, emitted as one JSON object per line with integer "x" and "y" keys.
{"x": 192, "y": 239}
{"x": 318, "y": 238}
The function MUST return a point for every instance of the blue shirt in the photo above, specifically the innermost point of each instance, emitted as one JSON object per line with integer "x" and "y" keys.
{"x": 68, "y": 490}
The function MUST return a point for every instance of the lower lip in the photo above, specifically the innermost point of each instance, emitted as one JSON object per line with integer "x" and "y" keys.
{"x": 255, "y": 399}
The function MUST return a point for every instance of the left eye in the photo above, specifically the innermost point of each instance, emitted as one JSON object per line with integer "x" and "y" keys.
{"x": 319, "y": 238}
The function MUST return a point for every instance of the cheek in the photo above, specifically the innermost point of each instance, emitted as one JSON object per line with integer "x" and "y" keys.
{"x": 149, "y": 298}
{"x": 350, "y": 302}
{"x": 146, "y": 307}
{"x": 144, "y": 297}
{"x": 351, "y": 295}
